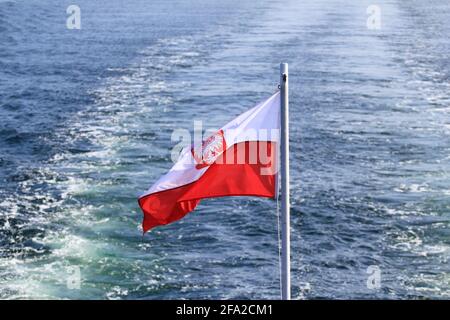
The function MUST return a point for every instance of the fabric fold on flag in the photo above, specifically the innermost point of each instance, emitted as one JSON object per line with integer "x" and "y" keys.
{"x": 240, "y": 159}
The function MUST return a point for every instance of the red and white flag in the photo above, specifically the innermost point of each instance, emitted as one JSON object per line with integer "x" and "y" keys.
{"x": 240, "y": 159}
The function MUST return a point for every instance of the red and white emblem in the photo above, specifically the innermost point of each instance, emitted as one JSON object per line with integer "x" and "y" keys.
{"x": 210, "y": 150}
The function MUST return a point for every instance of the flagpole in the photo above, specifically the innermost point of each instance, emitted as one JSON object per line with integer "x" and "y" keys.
{"x": 285, "y": 205}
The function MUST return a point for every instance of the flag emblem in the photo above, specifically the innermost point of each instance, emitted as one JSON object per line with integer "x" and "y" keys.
{"x": 210, "y": 150}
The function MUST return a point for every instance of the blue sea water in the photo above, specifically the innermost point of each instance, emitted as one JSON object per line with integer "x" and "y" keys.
{"x": 86, "y": 118}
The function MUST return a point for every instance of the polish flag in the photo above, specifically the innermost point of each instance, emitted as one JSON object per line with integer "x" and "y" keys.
{"x": 240, "y": 159}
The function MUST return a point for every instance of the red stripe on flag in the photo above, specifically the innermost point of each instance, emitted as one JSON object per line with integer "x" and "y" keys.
{"x": 237, "y": 172}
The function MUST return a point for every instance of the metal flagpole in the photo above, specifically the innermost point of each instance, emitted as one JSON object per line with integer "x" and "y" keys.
{"x": 285, "y": 205}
